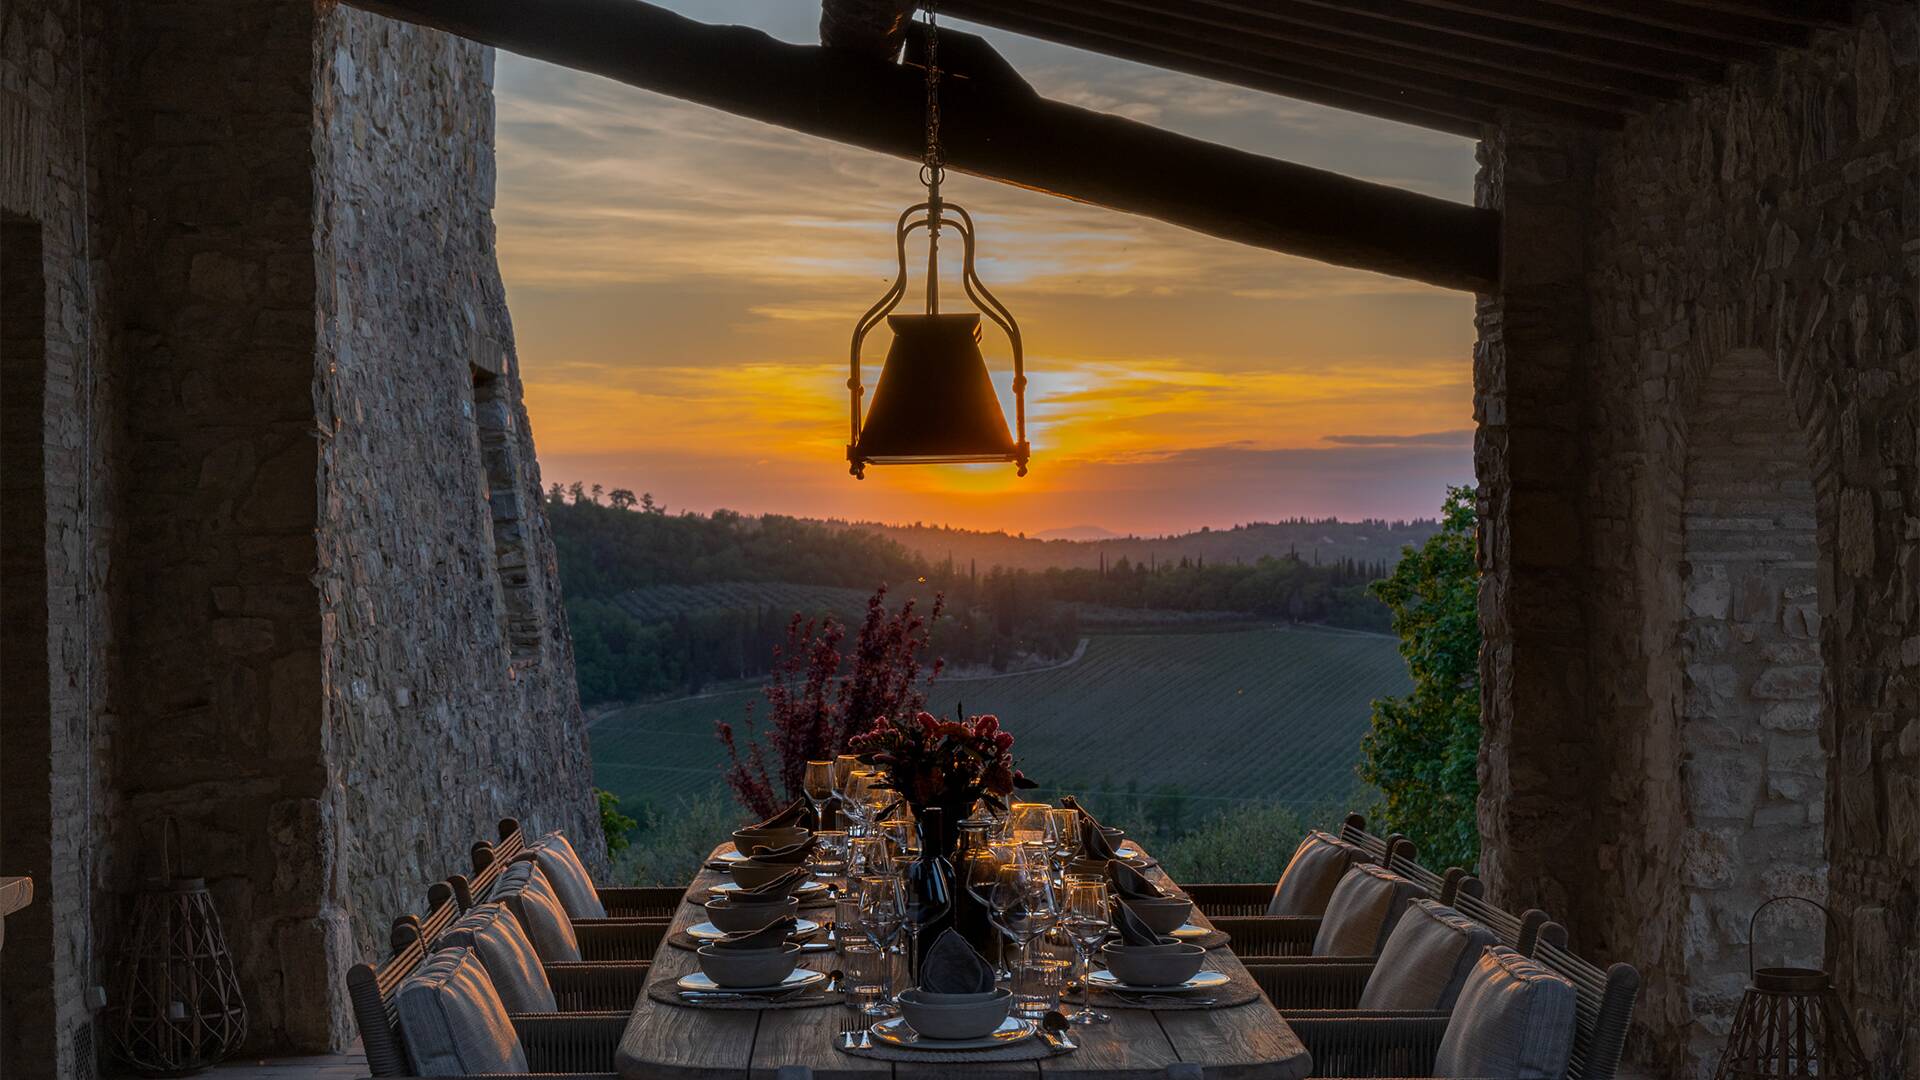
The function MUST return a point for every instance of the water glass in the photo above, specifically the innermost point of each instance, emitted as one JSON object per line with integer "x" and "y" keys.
{"x": 868, "y": 973}
{"x": 830, "y": 853}
{"x": 847, "y": 927}
{"x": 1037, "y": 983}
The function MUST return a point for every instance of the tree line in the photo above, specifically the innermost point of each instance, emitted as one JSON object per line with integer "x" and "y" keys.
{"x": 612, "y": 542}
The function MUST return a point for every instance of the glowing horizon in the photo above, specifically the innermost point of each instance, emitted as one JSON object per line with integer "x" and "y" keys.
{"x": 684, "y": 283}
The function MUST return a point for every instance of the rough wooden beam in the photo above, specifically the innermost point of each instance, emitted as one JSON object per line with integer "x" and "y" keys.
{"x": 1641, "y": 57}
{"x": 873, "y": 27}
{"x": 1603, "y": 25}
{"x": 1667, "y": 15}
{"x": 1012, "y": 137}
{"x": 1101, "y": 24}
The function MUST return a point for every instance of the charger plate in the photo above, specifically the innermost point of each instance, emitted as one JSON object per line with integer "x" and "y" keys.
{"x": 667, "y": 991}
{"x": 1027, "y": 1049}
{"x": 1201, "y": 936}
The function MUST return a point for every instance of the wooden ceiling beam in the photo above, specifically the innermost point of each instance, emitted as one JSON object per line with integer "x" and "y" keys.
{"x": 1289, "y": 44}
{"x": 874, "y": 27}
{"x": 1205, "y": 56}
{"x": 1801, "y": 12}
{"x": 1409, "y": 16}
{"x": 1603, "y": 25}
{"x": 1680, "y": 18}
{"x": 990, "y": 131}
{"x": 1355, "y": 29}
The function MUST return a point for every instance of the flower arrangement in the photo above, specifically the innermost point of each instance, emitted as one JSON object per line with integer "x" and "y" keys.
{"x": 944, "y": 763}
{"x": 818, "y": 699}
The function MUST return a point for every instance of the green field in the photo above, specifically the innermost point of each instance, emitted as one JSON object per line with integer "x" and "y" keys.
{"x": 1269, "y": 715}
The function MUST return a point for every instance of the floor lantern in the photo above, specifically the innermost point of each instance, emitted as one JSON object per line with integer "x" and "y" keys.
{"x": 1791, "y": 1022}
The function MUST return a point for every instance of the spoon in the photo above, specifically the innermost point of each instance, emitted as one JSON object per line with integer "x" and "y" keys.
{"x": 1054, "y": 1028}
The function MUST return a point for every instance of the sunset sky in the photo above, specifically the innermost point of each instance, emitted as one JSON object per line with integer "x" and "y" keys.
{"x": 684, "y": 282}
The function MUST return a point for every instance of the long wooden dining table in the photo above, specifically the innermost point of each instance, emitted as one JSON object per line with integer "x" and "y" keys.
{"x": 684, "y": 1042}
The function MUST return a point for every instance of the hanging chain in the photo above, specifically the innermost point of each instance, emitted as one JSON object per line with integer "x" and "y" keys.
{"x": 935, "y": 168}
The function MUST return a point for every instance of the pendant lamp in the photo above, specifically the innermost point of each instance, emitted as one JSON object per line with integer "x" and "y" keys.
{"x": 934, "y": 402}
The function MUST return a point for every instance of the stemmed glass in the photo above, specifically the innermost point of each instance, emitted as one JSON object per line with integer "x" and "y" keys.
{"x": 1062, "y": 837}
{"x": 1023, "y": 904}
{"x": 867, "y": 854}
{"x": 979, "y": 873}
{"x": 818, "y": 785}
{"x": 881, "y": 900}
{"x": 924, "y": 901}
{"x": 1027, "y": 820}
{"x": 1085, "y": 919}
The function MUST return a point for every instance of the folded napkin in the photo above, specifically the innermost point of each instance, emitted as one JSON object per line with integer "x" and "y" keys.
{"x": 953, "y": 967}
{"x": 1093, "y": 842}
{"x": 791, "y": 855}
{"x": 1134, "y": 930}
{"x": 1073, "y": 804}
{"x": 1131, "y": 884}
{"x": 797, "y": 815}
{"x": 773, "y": 891}
{"x": 771, "y": 936}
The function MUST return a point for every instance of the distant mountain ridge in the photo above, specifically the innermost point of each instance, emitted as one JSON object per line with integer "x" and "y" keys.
{"x": 1314, "y": 540}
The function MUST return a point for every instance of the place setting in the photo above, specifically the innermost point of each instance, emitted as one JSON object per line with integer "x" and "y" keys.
{"x": 957, "y": 1013}
{"x": 1143, "y": 968}
{"x": 758, "y": 969}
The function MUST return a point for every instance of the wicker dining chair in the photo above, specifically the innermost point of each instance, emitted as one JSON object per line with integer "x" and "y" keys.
{"x": 621, "y": 901}
{"x": 1267, "y": 936}
{"x": 1404, "y": 1045}
{"x": 573, "y": 1044}
{"x": 1236, "y": 899}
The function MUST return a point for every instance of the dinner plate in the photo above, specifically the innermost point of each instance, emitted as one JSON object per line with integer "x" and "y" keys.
{"x": 810, "y": 888}
{"x": 1206, "y": 980}
{"x": 799, "y": 977}
{"x": 895, "y": 1031}
{"x": 1189, "y": 930}
{"x": 706, "y": 931}
{"x": 1129, "y": 853}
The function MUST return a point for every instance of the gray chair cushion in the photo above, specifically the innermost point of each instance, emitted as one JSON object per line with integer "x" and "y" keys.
{"x": 1514, "y": 1021}
{"x": 452, "y": 1020}
{"x": 525, "y": 891}
{"x": 1309, "y": 879}
{"x": 1426, "y": 959}
{"x": 1362, "y": 911}
{"x": 569, "y": 877}
{"x": 512, "y": 963}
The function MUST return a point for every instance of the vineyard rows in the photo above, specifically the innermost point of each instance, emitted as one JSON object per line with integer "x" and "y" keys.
{"x": 663, "y": 603}
{"x": 1272, "y": 714}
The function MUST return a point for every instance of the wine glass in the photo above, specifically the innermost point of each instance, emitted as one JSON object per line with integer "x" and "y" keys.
{"x": 979, "y": 872}
{"x": 1085, "y": 919}
{"x": 1022, "y": 904}
{"x": 1028, "y": 820}
{"x": 1062, "y": 836}
{"x": 866, "y": 854}
{"x": 817, "y": 782}
{"x": 881, "y": 900}
{"x": 844, "y": 766}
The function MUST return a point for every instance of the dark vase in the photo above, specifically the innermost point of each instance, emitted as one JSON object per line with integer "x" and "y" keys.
{"x": 928, "y": 880}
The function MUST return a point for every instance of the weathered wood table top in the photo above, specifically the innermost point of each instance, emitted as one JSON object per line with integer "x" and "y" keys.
{"x": 673, "y": 1042}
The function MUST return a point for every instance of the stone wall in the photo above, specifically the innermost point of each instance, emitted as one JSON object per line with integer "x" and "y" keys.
{"x": 60, "y": 407}
{"x": 278, "y": 591}
{"x": 1773, "y": 223}
{"x": 447, "y": 672}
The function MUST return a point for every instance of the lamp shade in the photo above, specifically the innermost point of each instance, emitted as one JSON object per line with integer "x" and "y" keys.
{"x": 935, "y": 401}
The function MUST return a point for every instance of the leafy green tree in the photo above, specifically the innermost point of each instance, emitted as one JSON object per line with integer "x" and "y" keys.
{"x": 1423, "y": 752}
{"x": 617, "y": 826}
{"x": 621, "y": 499}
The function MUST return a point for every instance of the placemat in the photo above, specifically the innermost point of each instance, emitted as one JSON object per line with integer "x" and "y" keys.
{"x": 823, "y": 899}
{"x": 1033, "y": 1049}
{"x": 1241, "y": 991}
{"x": 664, "y": 991}
{"x": 680, "y": 939}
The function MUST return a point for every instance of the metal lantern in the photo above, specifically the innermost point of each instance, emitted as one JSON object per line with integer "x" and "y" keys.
{"x": 935, "y": 402}
{"x": 176, "y": 1002}
{"x": 1791, "y": 1022}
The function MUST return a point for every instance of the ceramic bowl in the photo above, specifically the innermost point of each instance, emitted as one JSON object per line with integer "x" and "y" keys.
{"x": 1165, "y": 915}
{"x": 1153, "y": 965}
{"x": 955, "y": 1016}
{"x": 749, "y": 967}
{"x": 733, "y": 918}
{"x": 752, "y": 873}
{"x": 745, "y": 840}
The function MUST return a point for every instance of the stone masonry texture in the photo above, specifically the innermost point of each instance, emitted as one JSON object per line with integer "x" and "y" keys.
{"x": 1699, "y": 390}
{"x": 290, "y": 570}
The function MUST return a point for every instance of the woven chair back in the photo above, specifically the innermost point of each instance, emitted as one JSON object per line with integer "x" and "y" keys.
{"x": 1603, "y": 1006}
{"x": 372, "y": 987}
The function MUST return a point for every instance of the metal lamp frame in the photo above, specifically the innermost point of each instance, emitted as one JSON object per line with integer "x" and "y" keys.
{"x": 932, "y": 216}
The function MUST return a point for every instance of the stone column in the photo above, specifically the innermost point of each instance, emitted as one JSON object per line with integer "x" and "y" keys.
{"x": 1528, "y": 458}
